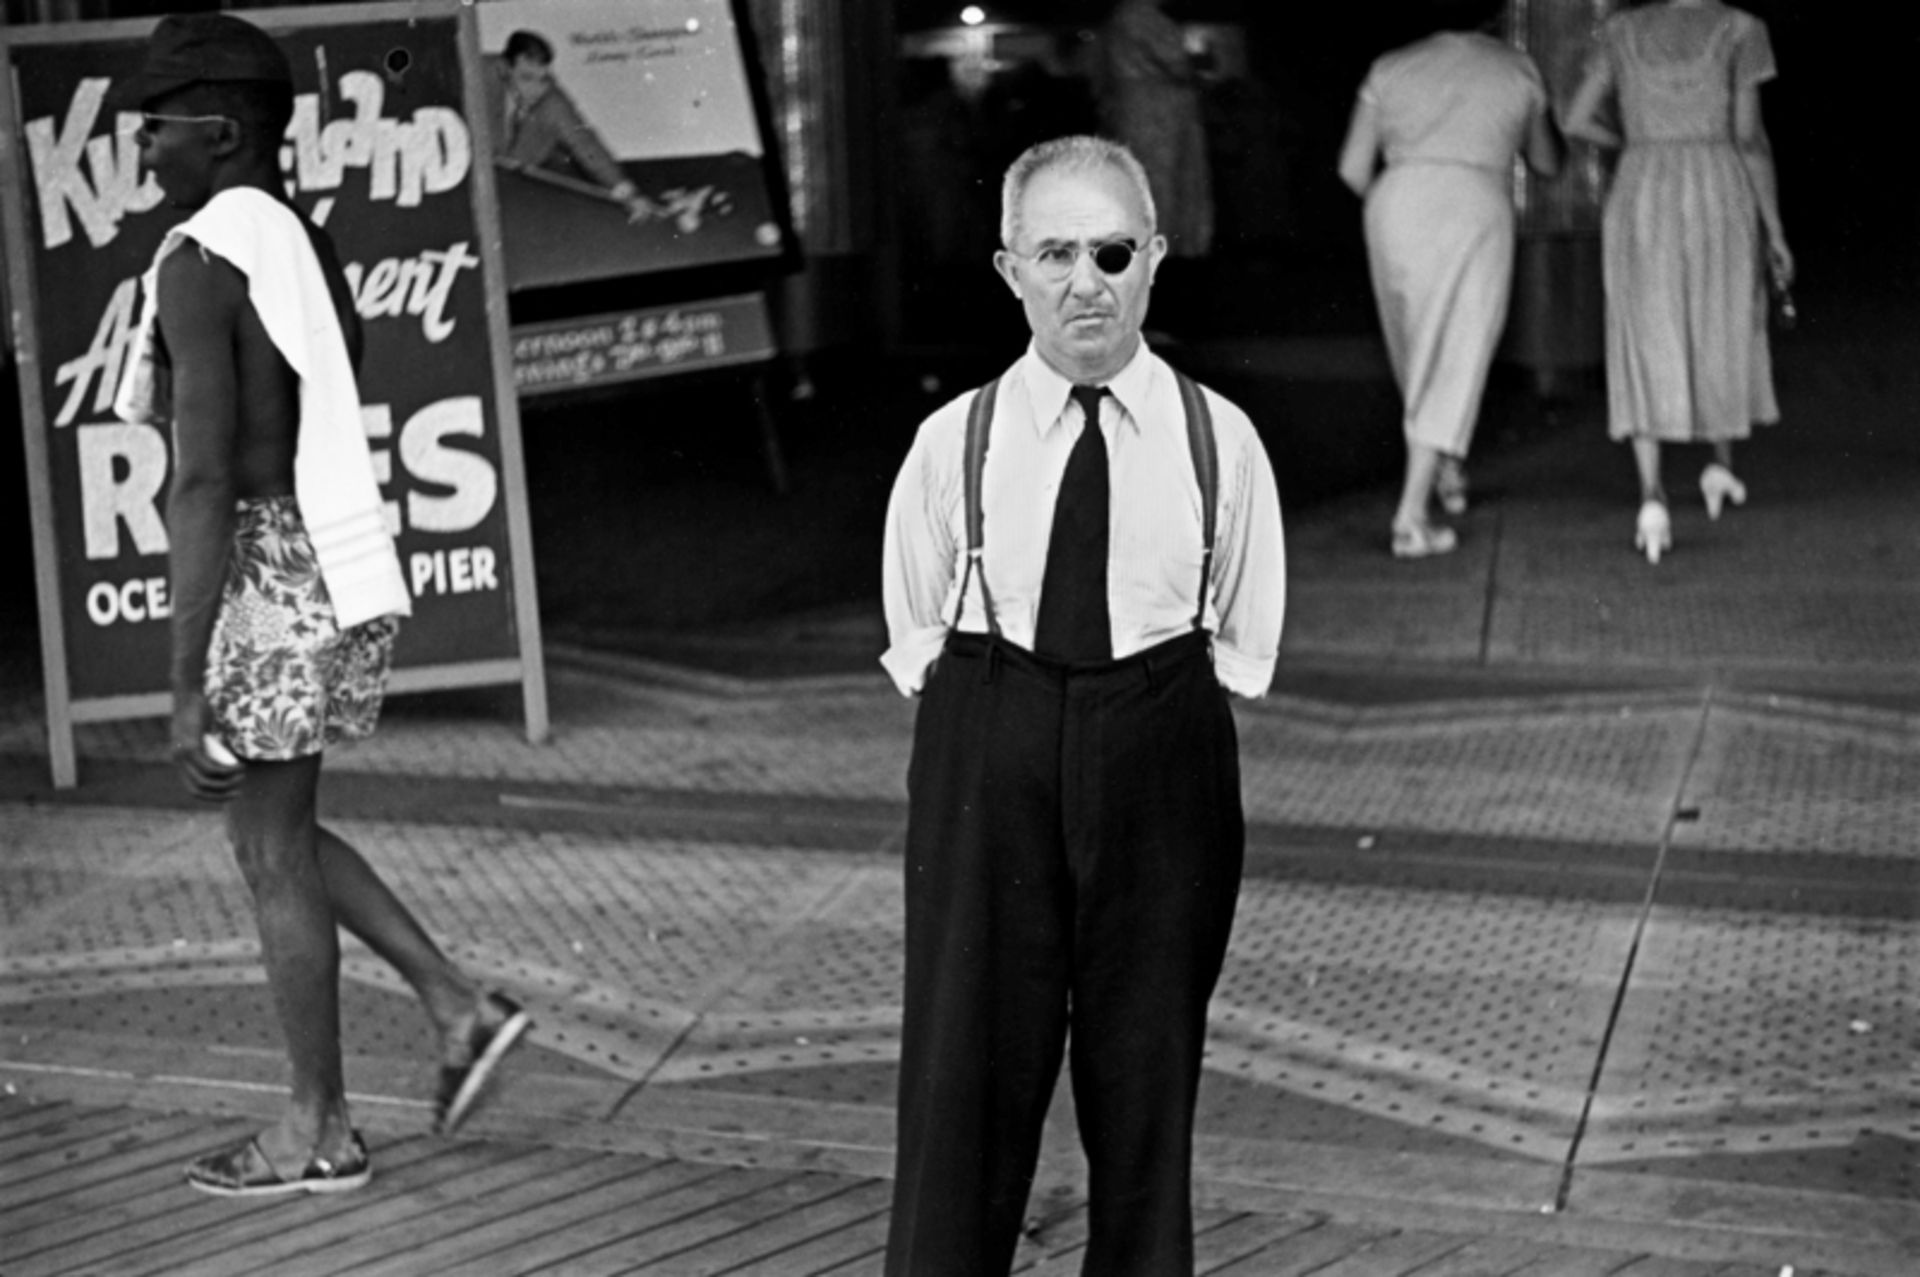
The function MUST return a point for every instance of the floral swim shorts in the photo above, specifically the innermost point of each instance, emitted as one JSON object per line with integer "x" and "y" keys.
{"x": 284, "y": 681}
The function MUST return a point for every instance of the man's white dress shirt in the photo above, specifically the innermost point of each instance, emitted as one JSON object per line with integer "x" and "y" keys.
{"x": 1153, "y": 573}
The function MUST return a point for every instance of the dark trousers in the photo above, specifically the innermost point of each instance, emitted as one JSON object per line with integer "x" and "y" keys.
{"x": 1074, "y": 845}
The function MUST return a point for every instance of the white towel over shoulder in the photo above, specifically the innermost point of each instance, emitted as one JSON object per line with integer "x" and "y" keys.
{"x": 333, "y": 475}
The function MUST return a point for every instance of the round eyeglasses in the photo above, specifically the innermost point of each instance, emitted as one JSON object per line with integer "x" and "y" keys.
{"x": 1054, "y": 262}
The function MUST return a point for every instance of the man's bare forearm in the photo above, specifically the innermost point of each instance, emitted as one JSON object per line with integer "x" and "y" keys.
{"x": 200, "y": 525}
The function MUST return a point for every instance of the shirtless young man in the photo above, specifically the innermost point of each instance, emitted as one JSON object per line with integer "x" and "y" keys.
{"x": 260, "y": 669}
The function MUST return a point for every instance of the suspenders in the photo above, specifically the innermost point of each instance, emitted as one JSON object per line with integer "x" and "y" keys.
{"x": 979, "y": 418}
{"x": 1206, "y": 468}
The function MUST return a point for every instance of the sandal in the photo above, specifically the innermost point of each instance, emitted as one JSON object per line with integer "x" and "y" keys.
{"x": 1653, "y": 530}
{"x": 1450, "y": 485}
{"x": 487, "y": 1045}
{"x": 1718, "y": 486}
{"x": 245, "y": 1171}
{"x": 1422, "y": 540}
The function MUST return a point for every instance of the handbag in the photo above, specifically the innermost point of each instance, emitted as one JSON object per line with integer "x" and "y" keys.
{"x": 1780, "y": 307}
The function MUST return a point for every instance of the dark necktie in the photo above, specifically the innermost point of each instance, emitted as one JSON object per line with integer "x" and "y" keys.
{"x": 1073, "y": 624}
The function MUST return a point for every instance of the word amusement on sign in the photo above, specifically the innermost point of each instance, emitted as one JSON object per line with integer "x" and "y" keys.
{"x": 417, "y": 287}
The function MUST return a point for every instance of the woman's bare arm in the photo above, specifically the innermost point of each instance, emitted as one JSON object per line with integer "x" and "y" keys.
{"x": 1756, "y": 152}
{"x": 1360, "y": 156}
{"x": 1544, "y": 149}
{"x": 1583, "y": 113}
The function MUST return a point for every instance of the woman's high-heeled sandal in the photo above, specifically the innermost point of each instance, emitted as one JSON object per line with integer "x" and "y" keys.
{"x": 1450, "y": 486}
{"x": 1718, "y": 486}
{"x": 1422, "y": 540}
{"x": 1653, "y": 533}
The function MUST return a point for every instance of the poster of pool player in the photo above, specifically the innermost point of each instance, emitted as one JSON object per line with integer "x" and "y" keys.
{"x": 628, "y": 138}
{"x": 381, "y": 153}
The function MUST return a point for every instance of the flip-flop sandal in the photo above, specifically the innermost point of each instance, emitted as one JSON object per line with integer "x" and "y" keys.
{"x": 245, "y": 1171}
{"x": 461, "y": 1084}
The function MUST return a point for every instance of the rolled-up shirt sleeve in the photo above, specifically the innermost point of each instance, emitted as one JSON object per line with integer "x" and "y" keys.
{"x": 1249, "y": 572}
{"x": 580, "y": 140}
{"x": 917, "y": 561}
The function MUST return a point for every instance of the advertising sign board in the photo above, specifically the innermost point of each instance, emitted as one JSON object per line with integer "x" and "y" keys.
{"x": 629, "y": 136}
{"x": 380, "y": 153}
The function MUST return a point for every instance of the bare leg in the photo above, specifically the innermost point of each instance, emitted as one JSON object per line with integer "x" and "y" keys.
{"x": 1723, "y": 452}
{"x": 306, "y": 881}
{"x": 1450, "y": 484}
{"x": 1646, "y": 456}
{"x": 1653, "y": 527}
{"x": 1416, "y": 490}
{"x": 367, "y": 907}
{"x": 271, "y": 825}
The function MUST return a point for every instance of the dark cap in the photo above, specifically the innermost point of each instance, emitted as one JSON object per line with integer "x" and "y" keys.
{"x": 201, "y": 48}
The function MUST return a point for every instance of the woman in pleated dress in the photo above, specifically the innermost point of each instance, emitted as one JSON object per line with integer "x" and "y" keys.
{"x": 1447, "y": 114}
{"x": 1691, "y": 224}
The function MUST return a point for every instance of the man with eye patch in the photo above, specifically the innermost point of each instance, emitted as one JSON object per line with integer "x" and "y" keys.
{"x": 1083, "y": 560}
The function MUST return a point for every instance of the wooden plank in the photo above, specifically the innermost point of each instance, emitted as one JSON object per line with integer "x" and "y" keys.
{"x": 20, "y": 1116}
{"x": 496, "y": 1247}
{"x": 197, "y": 1215}
{"x": 659, "y": 1250}
{"x": 1242, "y": 1235}
{"x": 815, "y": 1204}
{"x": 872, "y": 1264}
{"x": 631, "y": 1231}
{"x": 1665, "y": 1266}
{"x": 143, "y": 1182}
{"x": 852, "y": 1250}
{"x": 453, "y": 1206}
{"x": 369, "y": 1223}
{"x": 1561, "y": 1261}
{"x": 1049, "y": 1241}
{"x": 1221, "y": 1240}
{"x": 403, "y": 1188}
{"x": 151, "y": 1202}
{"x": 132, "y": 1152}
{"x": 1060, "y": 1263}
{"x": 168, "y": 1145}
{"x": 1396, "y": 1256}
{"x": 54, "y": 1147}
{"x": 780, "y": 1239}
{"x": 1307, "y": 1251}
{"x": 1507, "y": 1256}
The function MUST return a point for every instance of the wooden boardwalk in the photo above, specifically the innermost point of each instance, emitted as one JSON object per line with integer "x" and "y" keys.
{"x": 97, "y": 1189}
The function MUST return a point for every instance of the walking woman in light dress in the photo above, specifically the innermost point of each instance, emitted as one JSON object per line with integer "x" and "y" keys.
{"x": 1448, "y": 114}
{"x": 1692, "y": 221}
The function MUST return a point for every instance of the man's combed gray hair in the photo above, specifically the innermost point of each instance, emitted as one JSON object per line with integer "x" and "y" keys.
{"x": 1080, "y": 154}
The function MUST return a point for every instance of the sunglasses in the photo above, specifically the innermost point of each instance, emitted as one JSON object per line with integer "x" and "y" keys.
{"x": 152, "y": 120}
{"x": 1054, "y": 262}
